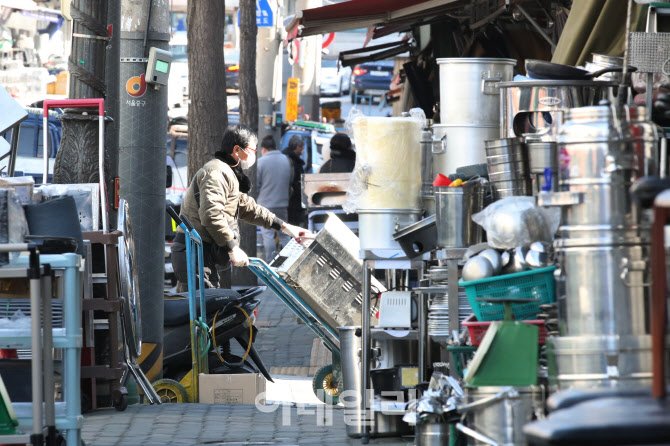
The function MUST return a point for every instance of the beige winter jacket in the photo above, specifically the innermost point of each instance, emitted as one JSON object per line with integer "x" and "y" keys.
{"x": 221, "y": 204}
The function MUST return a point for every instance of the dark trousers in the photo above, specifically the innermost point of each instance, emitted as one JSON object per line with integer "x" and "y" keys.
{"x": 216, "y": 262}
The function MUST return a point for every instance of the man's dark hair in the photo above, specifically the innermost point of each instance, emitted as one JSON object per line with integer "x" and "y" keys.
{"x": 268, "y": 143}
{"x": 237, "y": 135}
{"x": 295, "y": 142}
{"x": 340, "y": 142}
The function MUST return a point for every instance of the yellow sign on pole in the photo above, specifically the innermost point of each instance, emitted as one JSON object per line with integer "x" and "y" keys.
{"x": 292, "y": 99}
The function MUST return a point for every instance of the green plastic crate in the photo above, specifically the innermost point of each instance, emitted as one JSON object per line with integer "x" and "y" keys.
{"x": 537, "y": 284}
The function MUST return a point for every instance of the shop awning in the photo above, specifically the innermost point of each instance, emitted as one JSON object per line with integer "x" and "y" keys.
{"x": 356, "y": 14}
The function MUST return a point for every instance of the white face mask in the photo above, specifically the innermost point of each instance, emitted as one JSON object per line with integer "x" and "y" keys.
{"x": 251, "y": 159}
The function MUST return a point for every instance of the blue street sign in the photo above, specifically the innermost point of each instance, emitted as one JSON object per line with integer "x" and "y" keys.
{"x": 264, "y": 16}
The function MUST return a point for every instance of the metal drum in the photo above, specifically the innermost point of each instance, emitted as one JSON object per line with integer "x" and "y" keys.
{"x": 454, "y": 209}
{"x": 536, "y": 106}
{"x": 508, "y": 167}
{"x": 469, "y": 109}
{"x": 644, "y": 136}
{"x": 602, "y": 289}
{"x": 599, "y": 361}
{"x": 596, "y": 162}
{"x": 501, "y": 412}
{"x": 376, "y": 226}
{"x": 390, "y": 354}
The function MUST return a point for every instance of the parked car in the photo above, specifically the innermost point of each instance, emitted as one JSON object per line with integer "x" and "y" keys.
{"x": 371, "y": 78}
{"x": 334, "y": 81}
{"x": 232, "y": 59}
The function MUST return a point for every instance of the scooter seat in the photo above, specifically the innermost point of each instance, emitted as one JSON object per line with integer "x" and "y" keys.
{"x": 176, "y": 310}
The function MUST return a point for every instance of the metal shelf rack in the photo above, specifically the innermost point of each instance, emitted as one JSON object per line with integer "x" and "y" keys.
{"x": 64, "y": 416}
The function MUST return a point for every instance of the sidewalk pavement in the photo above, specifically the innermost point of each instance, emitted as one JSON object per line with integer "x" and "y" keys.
{"x": 292, "y": 416}
{"x": 219, "y": 424}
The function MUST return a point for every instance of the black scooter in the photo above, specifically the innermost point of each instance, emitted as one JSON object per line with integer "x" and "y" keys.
{"x": 233, "y": 311}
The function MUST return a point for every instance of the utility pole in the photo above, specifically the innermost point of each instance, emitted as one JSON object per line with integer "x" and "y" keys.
{"x": 269, "y": 72}
{"x": 308, "y": 66}
{"x": 142, "y": 146}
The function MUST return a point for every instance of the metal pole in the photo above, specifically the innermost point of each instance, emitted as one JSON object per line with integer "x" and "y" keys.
{"x": 423, "y": 335}
{"x": 142, "y": 167}
{"x": 14, "y": 145}
{"x": 45, "y": 142}
{"x": 112, "y": 65}
{"x": 36, "y": 348}
{"x": 47, "y": 324}
{"x": 452, "y": 299}
{"x": 365, "y": 350}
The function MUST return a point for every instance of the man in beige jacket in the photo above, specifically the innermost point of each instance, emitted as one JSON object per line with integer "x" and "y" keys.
{"x": 215, "y": 200}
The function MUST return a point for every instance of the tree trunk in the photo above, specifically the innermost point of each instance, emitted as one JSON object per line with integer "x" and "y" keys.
{"x": 248, "y": 94}
{"x": 208, "y": 111}
{"x": 248, "y": 117}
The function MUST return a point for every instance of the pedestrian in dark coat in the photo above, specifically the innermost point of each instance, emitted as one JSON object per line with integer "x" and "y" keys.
{"x": 342, "y": 155}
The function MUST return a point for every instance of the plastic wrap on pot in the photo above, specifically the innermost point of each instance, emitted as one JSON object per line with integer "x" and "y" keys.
{"x": 13, "y": 224}
{"x": 387, "y": 174}
{"x": 517, "y": 221}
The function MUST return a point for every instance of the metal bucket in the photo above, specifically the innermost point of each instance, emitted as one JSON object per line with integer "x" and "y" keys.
{"x": 536, "y": 106}
{"x": 508, "y": 167}
{"x": 602, "y": 289}
{"x": 377, "y": 226}
{"x": 469, "y": 95}
{"x": 542, "y": 155}
{"x": 454, "y": 209}
{"x": 391, "y": 353}
{"x": 586, "y": 362}
{"x": 431, "y": 433}
{"x": 461, "y": 145}
{"x": 500, "y": 413}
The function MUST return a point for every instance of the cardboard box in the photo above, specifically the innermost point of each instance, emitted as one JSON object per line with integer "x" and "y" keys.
{"x": 232, "y": 389}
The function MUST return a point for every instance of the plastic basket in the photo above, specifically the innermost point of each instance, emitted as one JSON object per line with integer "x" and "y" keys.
{"x": 478, "y": 329}
{"x": 537, "y": 285}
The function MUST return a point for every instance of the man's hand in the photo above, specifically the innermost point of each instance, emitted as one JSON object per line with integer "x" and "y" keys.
{"x": 295, "y": 231}
{"x": 238, "y": 257}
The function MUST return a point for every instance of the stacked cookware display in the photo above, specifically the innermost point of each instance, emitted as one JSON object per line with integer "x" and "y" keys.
{"x": 602, "y": 251}
{"x": 469, "y": 109}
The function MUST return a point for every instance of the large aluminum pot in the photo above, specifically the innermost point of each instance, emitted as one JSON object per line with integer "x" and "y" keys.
{"x": 585, "y": 362}
{"x": 460, "y": 145}
{"x": 454, "y": 209}
{"x": 377, "y": 226}
{"x": 500, "y": 413}
{"x": 536, "y": 106}
{"x": 596, "y": 161}
{"x": 392, "y": 353}
{"x": 469, "y": 95}
{"x": 602, "y": 289}
{"x": 432, "y": 433}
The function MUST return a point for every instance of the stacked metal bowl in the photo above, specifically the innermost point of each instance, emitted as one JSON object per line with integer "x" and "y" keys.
{"x": 438, "y": 309}
{"x": 509, "y": 168}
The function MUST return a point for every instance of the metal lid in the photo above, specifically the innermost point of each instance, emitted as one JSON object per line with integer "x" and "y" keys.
{"x": 471, "y": 60}
{"x": 555, "y": 83}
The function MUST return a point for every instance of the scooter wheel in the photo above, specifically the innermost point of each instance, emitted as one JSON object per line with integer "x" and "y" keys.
{"x": 325, "y": 386}
{"x": 170, "y": 391}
